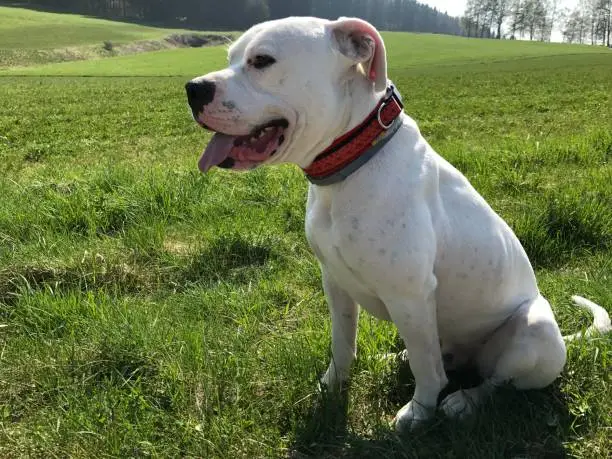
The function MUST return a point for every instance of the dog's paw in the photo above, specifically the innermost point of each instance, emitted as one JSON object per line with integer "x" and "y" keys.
{"x": 412, "y": 415}
{"x": 460, "y": 404}
{"x": 332, "y": 380}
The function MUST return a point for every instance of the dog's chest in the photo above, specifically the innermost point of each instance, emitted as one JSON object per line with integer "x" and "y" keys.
{"x": 340, "y": 242}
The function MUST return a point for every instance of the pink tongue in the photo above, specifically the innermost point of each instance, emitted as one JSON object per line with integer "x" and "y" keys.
{"x": 217, "y": 150}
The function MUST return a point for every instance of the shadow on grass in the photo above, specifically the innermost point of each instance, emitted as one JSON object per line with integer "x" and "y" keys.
{"x": 512, "y": 424}
{"x": 88, "y": 276}
{"x": 228, "y": 257}
{"x": 565, "y": 227}
{"x": 324, "y": 428}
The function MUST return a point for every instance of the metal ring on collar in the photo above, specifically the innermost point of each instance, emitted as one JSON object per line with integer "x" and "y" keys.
{"x": 380, "y": 121}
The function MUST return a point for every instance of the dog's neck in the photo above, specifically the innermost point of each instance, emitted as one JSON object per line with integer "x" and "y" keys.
{"x": 364, "y": 100}
{"x": 360, "y": 92}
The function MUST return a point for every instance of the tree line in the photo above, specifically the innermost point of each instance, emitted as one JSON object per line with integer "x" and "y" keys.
{"x": 589, "y": 22}
{"x": 535, "y": 20}
{"x": 404, "y": 15}
{"x": 532, "y": 19}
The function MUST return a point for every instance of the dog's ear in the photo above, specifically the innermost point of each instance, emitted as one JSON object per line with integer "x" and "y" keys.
{"x": 359, "y": 41}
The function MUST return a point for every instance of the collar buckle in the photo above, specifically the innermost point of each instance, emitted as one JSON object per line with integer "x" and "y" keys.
{"x": 391, "y": 94}
{"x": 380, "y": 121}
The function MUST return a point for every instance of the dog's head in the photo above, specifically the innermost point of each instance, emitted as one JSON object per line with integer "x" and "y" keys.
{"x": 291, "y": 87}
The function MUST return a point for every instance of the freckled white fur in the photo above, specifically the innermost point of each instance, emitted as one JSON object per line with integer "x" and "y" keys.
{"x": 406, "y": 236}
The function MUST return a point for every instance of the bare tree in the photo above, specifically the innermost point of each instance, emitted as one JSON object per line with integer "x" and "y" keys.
{"x": 553, "y": 14}
{"x": 517, "y": 18}
{"x": 474, "y": 17}
{"x": 489, "y": 7}
{"x": 592, "y": 15}
{"x": 574, "y": 27}
{"x": 584, "y": 19}
{"x": 602, "y": 10}
{"x": 609, "y": 22}
{"x": 469, "y": 20}
{"x": 532, "y": 16}
{"x": 500, "y": 10}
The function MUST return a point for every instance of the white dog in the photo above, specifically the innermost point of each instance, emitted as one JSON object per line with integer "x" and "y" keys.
{"x": 395, "y": 227}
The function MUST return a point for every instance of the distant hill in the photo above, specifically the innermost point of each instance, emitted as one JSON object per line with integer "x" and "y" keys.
{"x": 400, "y": 15}
{"x": 24, "y": 28}
{"x": 29, "y": 37}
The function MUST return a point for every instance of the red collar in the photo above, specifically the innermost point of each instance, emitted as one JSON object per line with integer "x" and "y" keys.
{"x": 353, "y": 149}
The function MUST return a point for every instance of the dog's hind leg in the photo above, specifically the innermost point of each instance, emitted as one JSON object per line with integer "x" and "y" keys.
{"x": 527, "y": 352}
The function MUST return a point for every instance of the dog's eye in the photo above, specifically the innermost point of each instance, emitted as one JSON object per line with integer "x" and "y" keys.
{"x": 261, "y": 61}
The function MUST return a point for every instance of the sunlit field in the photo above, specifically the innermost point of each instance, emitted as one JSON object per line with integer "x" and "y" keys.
{"x": 149, "y": 310}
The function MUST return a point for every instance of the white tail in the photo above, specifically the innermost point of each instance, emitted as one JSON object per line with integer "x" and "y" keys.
{"x": 601, "y": 319}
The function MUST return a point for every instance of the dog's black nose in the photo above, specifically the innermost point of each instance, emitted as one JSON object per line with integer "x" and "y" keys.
{"x": 199, "y": 93}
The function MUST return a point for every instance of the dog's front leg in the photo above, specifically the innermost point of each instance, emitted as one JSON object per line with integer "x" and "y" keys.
{"x": 415, "y": 318}
{"x": 344, "y": 316}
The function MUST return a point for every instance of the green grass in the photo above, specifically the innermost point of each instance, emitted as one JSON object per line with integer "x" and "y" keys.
{"x": 149, "y": 310}
{"x": 27, "y": 29}
{"x": 33, "y": 38}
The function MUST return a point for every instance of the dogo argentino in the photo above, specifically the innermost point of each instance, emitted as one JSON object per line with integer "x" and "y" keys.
{"x": 396, "y": 228}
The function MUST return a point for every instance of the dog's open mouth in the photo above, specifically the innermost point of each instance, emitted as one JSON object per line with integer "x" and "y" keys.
{"x": 244, "y": 151}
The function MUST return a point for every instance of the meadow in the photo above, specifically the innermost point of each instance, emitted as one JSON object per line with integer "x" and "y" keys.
{"x": 30, "y": 37}
{"x": 147, "y": 310}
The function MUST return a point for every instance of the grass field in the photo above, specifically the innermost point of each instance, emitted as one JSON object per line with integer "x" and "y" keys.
{"x": 32, "y": 37}
{"x": 149, "y": 310}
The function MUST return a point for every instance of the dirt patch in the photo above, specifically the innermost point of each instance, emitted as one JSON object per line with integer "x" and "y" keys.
{"x": 196, "y": 40}
{"x": 177, "y": 247}
{"x": 190, "y": 40}
{"x": 187, "y": 40}
{"x": 136, "y": 47}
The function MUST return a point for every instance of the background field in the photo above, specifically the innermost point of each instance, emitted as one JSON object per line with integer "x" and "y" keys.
{"x": 149, "y": 310}
{"x": 33, "y": 37}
